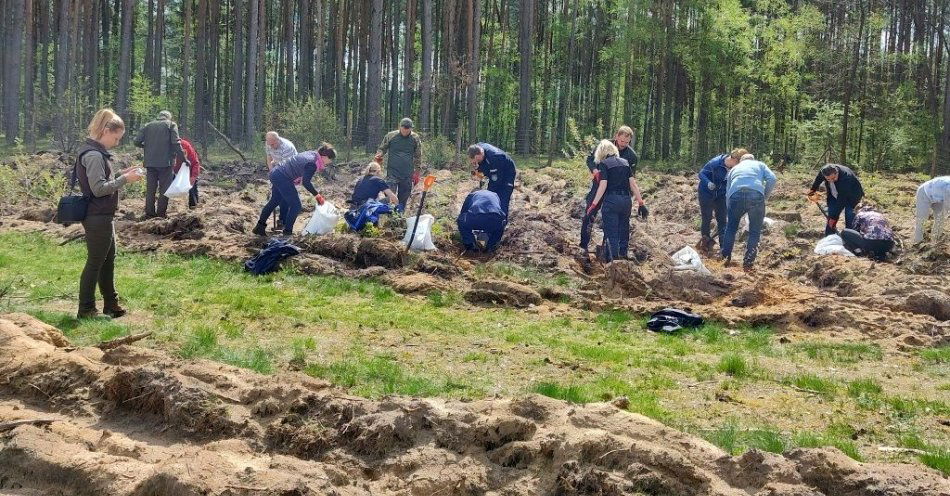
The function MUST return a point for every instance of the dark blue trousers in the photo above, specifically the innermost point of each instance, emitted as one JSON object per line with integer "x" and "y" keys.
{"x": 615, "y": 213}
{"x": 492, "y": 224}
{"x": 283, "y": 193}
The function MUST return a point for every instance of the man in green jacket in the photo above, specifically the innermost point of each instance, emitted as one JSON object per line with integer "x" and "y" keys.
{"x": 405, "y": 154}
{"x": 162, "y": 145}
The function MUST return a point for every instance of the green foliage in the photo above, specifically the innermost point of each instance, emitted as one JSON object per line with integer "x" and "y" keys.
{"x": 143, "y": 104}
{"x": 307, "y": 124}
{"x": 735, "y": 365}
{"x": 440, "y": 153}
{"x": 25, "y": 176}
{"x": 939, "y": 355}
{"x": 812, "y": 382}
{"x": 571, "y": 394}
{"x": 936, "y": 457}
{"x": 839, "y": 352}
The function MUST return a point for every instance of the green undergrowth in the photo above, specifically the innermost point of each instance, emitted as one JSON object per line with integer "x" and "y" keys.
{"x": 361, "y": 335}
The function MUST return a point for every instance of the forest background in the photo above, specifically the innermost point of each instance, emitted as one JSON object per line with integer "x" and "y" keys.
{"x": 859, "y": 82}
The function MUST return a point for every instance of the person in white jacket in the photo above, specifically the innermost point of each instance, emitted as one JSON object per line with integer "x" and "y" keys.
{"x": 931, "y": 197}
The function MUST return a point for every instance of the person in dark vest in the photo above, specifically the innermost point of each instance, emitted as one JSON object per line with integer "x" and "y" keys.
{"x": 370, "y": 186}
{"x": 284, "y": 191}
{"x": 622, "y": 139}
{"x": 498, "y": 167}
{"x": 405, "y": 156}
{"x": 96, "y": 181}
{"x": 481, "y": 211}
{"x": 844, "y": 193}
{"x": 162, "y": 145}
{"x": 615, "y": 187}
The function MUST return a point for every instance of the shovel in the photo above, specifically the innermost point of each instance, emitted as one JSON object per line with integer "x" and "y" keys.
{"x": 426, "y": 184}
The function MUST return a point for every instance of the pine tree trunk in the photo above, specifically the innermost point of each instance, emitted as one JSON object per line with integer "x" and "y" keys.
{"x": 425, "y": 88}
{"x": 250, "y": 91}
{"x": 849, "y": 87}
{"x": 149, "y": 39}
{"x": 159, "y": 52}
{"x": 11, "y": 73}
{"x": 201, "y": 74}
{"x": 944, "y": 146}
{"x": 410, "y": 57}
{"x": 525, "y": 49}
{"x": 30, "y": 75}
{"x": 374, "y": 77}
{"x": 62, "y": 52}
{"x": 235, "y": 114}
{"x": 475, "y": 33}
{"x": 303, "y": 63}
{"x": 45, "y": 36}
{"x": 318, "y": 47}
{"x": 185, "y": 64}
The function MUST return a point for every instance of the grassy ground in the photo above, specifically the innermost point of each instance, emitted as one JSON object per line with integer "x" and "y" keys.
{"x": 739, "y": 388}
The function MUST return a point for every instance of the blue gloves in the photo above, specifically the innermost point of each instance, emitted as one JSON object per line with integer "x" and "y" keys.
{"x": 400, "y": 208}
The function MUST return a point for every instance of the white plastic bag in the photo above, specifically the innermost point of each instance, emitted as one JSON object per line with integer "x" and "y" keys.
{"x": 832, "y": 245}
{"x": 182, "y": 183}
{"x": 423, "y": 238}
{"x": 324, "y": 219}
{"x": 688, "y": 259}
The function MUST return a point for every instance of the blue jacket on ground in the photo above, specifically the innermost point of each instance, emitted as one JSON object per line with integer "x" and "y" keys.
{"x": 269, "y": 258}
{"x": 715, "y": 172}
{"x": 482, "y": 211}
{"x": 751, "y": 174}
{"x": 369, "y": 211}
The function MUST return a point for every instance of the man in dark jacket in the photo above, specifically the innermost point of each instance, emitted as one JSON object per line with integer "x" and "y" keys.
{"x": 622, "y": 139}
{"x": 498, "y": 167}
{"x": 844, "y": 193}
{"x": 712, "y": 196}
{"x": 481, "y": 211}
{"x": 162, "y": 144}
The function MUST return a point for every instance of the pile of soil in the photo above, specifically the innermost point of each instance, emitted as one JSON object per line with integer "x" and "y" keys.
{"x": 861, "y": 299}
{"x": 133, "y": 421}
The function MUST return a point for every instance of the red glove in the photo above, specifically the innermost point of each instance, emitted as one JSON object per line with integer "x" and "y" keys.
{"x": 415, "y": 178}
{"x": 591, "y": 208}
{"x": 319, "y": 199}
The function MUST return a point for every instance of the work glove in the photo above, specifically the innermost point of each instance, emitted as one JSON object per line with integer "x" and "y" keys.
{"x": 400, "y": 208}
{"x": 415, "y": 178}
{"x": 319, "y": 199}
{"x": 642, "y": 212}
{"x": 812, "y": 196}
{"x": 378, "y": 158}
{"x": 478, "y": 175}
{"x": 711, "y": 185}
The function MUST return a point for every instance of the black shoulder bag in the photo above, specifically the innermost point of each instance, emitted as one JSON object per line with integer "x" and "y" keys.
{"x": 72, "y": 207}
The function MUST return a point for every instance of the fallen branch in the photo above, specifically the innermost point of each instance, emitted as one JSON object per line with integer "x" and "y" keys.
{"x": 6, "y": 426}
{"x": 226, "y": 140}
{"x": 72, "y": 238}
{"x": 894, "y": 449}
{"x": 115, "y": 343}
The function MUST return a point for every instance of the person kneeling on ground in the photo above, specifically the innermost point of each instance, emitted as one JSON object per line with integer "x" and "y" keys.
{"x": 750, "y": 183}
{"x": 711, "y": 193}
{"x": 194, "y": 164}
{"x": 93, "y": 170}
{"x": 284, "y": 193}
{"x": 482, "y": 211}
{"x": 931, "y": 197}
{"x": 370, "y": 186}
{"x": 844, "y": 193}
{"x": 493, "y": 163}
{"x": 871, "y": 237}
{"x": 615, "y": 187}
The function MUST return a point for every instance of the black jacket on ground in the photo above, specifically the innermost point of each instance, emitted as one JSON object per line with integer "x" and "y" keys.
{"x": 848, "y": 185}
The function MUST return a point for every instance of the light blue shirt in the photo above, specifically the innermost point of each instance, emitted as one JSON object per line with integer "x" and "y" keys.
{"x": 937, "y": 189}
{"x": 751, "y": 174}
{"x": 285, "y": 150}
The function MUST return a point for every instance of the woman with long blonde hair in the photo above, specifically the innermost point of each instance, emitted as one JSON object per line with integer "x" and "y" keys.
{"x": 93, "y": 170}
{"x": 615, "y": 187}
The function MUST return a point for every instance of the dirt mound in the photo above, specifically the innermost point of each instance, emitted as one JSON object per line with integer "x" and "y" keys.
{"x": 929, "y": 302}
{"x": 133, "y": 422}
{"x": 505, "y": 293}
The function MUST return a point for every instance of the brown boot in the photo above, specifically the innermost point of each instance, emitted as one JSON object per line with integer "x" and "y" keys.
{"x": 113, "y": 310}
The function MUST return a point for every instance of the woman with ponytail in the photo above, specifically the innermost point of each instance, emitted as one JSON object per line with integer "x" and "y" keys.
{"x": 95, "y": 174}
{"x": 284, "y": 191}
